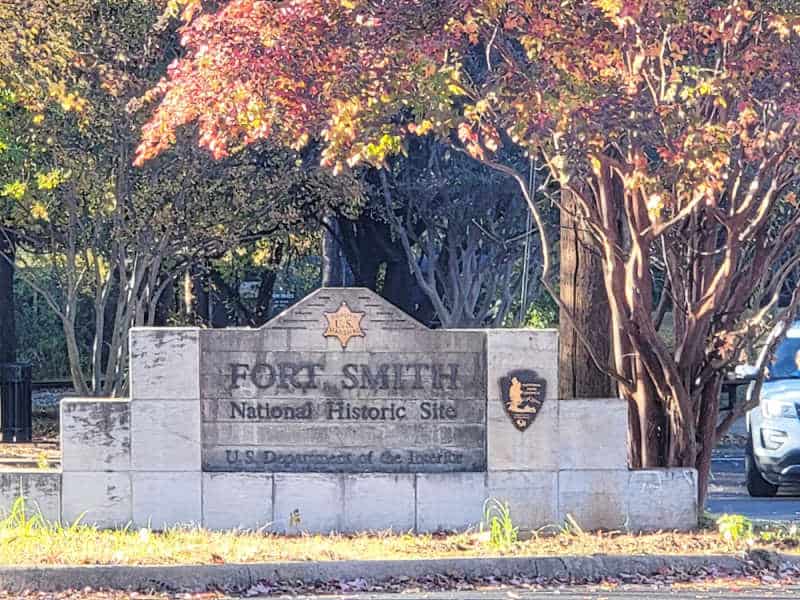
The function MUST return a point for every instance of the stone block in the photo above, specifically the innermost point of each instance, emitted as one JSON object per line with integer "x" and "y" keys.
{"x": 378, "y": 501}
{"x": 384, "y": 326}
{"x": 165, "y": 435}
{"x": 535, "y": 449}
{"x": 532, "y": 496}
{"x": 534, "y": 349}
{"x": 42, "y": 493}
{"x": 164, "y": 363}
{"x": 162, "y": 500}
{"x": 9, "y": 492}
{"x": 237, "y": 501}
{"x": 309, "y": 502}
{"x": 593, "y": 434}
{"x": 236, "y": 340}
{"x": 101, "y": 499}
{"x": 450, "y": 502}
{"x": 426, "y": 340}
{"x": 662, "y": 499}
{"x": 95, "y": 435}
{"x": 595, "y": 499}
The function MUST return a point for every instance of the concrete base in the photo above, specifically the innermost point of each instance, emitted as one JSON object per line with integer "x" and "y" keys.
{"x": 324, "y": 503}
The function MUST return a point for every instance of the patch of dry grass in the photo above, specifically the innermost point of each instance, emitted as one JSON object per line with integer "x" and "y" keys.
{"x": 29, "y": 540}
{"x": 31, "y": 452}
{"x": 85, "y": 545}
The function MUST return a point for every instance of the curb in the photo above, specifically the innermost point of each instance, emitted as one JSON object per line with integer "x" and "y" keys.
{"x": 243, "y": 576}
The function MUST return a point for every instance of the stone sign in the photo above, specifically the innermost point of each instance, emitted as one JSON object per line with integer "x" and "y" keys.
{"x": 343, "y": 385}
{"x": 344, "y": 414}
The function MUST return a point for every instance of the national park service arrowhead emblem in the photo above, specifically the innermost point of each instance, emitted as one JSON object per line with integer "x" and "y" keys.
{"x": 344, "y": 324}
{"x": 522, "y": 392}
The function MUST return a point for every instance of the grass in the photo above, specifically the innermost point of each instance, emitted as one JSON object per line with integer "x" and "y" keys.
{"x": 497, "y": 518}
{"x": 27, "y": 539}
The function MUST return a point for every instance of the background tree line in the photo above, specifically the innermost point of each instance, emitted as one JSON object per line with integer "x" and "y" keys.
{"x": 91, "y": 245}
{"x": 457, "y": 156}
{"x": 671, "y": 129}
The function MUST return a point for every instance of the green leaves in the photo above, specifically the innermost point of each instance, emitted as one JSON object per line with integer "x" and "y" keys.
{"x": 387, "y": 144}
{"x": 735, "y": 528}
{"x": 14, "y": 190}
{"x": 51, "y": 179}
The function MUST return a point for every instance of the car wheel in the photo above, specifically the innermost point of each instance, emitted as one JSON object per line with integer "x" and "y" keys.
{"x": 757, "y": 486}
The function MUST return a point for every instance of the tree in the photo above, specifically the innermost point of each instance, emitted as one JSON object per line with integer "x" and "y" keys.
{"x": 21, "y": 150}
{"x": 10, "y": 156}
{"x": 673, "y": 125}
{"x": 37, "y": 56}
{"x": 121, "y": 235}
{"x": 463, "y": 231}
{"x": 39, "y": 53}
{"x": 8, "y": 330}
{"x": 362, "y": 251}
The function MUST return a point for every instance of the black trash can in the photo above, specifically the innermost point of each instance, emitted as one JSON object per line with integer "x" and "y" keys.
{"x": 16, "y": 403}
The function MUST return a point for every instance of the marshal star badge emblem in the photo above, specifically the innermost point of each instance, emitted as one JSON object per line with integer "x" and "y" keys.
{"x": 344, "y": 324}
{"x": 522, "y": 392}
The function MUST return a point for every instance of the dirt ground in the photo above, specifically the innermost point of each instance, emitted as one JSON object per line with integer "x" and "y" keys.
{"x": 44, "y": 451}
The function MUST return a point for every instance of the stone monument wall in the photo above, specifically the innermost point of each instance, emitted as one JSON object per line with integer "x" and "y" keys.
{"x": 344, "y": 414}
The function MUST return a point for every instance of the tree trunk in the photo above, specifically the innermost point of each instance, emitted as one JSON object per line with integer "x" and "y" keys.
{"x": 264, "y": 300}
{"x": 166, "y": 306}
{"x": 706, "y": 435}
{"x": 201, "y": 307}
{"x": 399, "y": 285}
{"x": 648, "y": 426}
{"x": 583, "y": 291}
{"x": 369, "y": 262}
{"x": 332, "y": 267}
{"x": 74, "y": 356}
{"x": 8, "y": 332}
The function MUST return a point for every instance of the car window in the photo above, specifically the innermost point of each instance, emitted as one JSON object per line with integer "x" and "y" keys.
{"x": 786, "y": 364}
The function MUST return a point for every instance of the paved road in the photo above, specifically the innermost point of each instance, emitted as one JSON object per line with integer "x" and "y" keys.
{"x": 581, "y": 593}
{"x": 727, "y": 493}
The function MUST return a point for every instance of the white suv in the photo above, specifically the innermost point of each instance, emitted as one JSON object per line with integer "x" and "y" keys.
{"x": 773, "y": 454}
